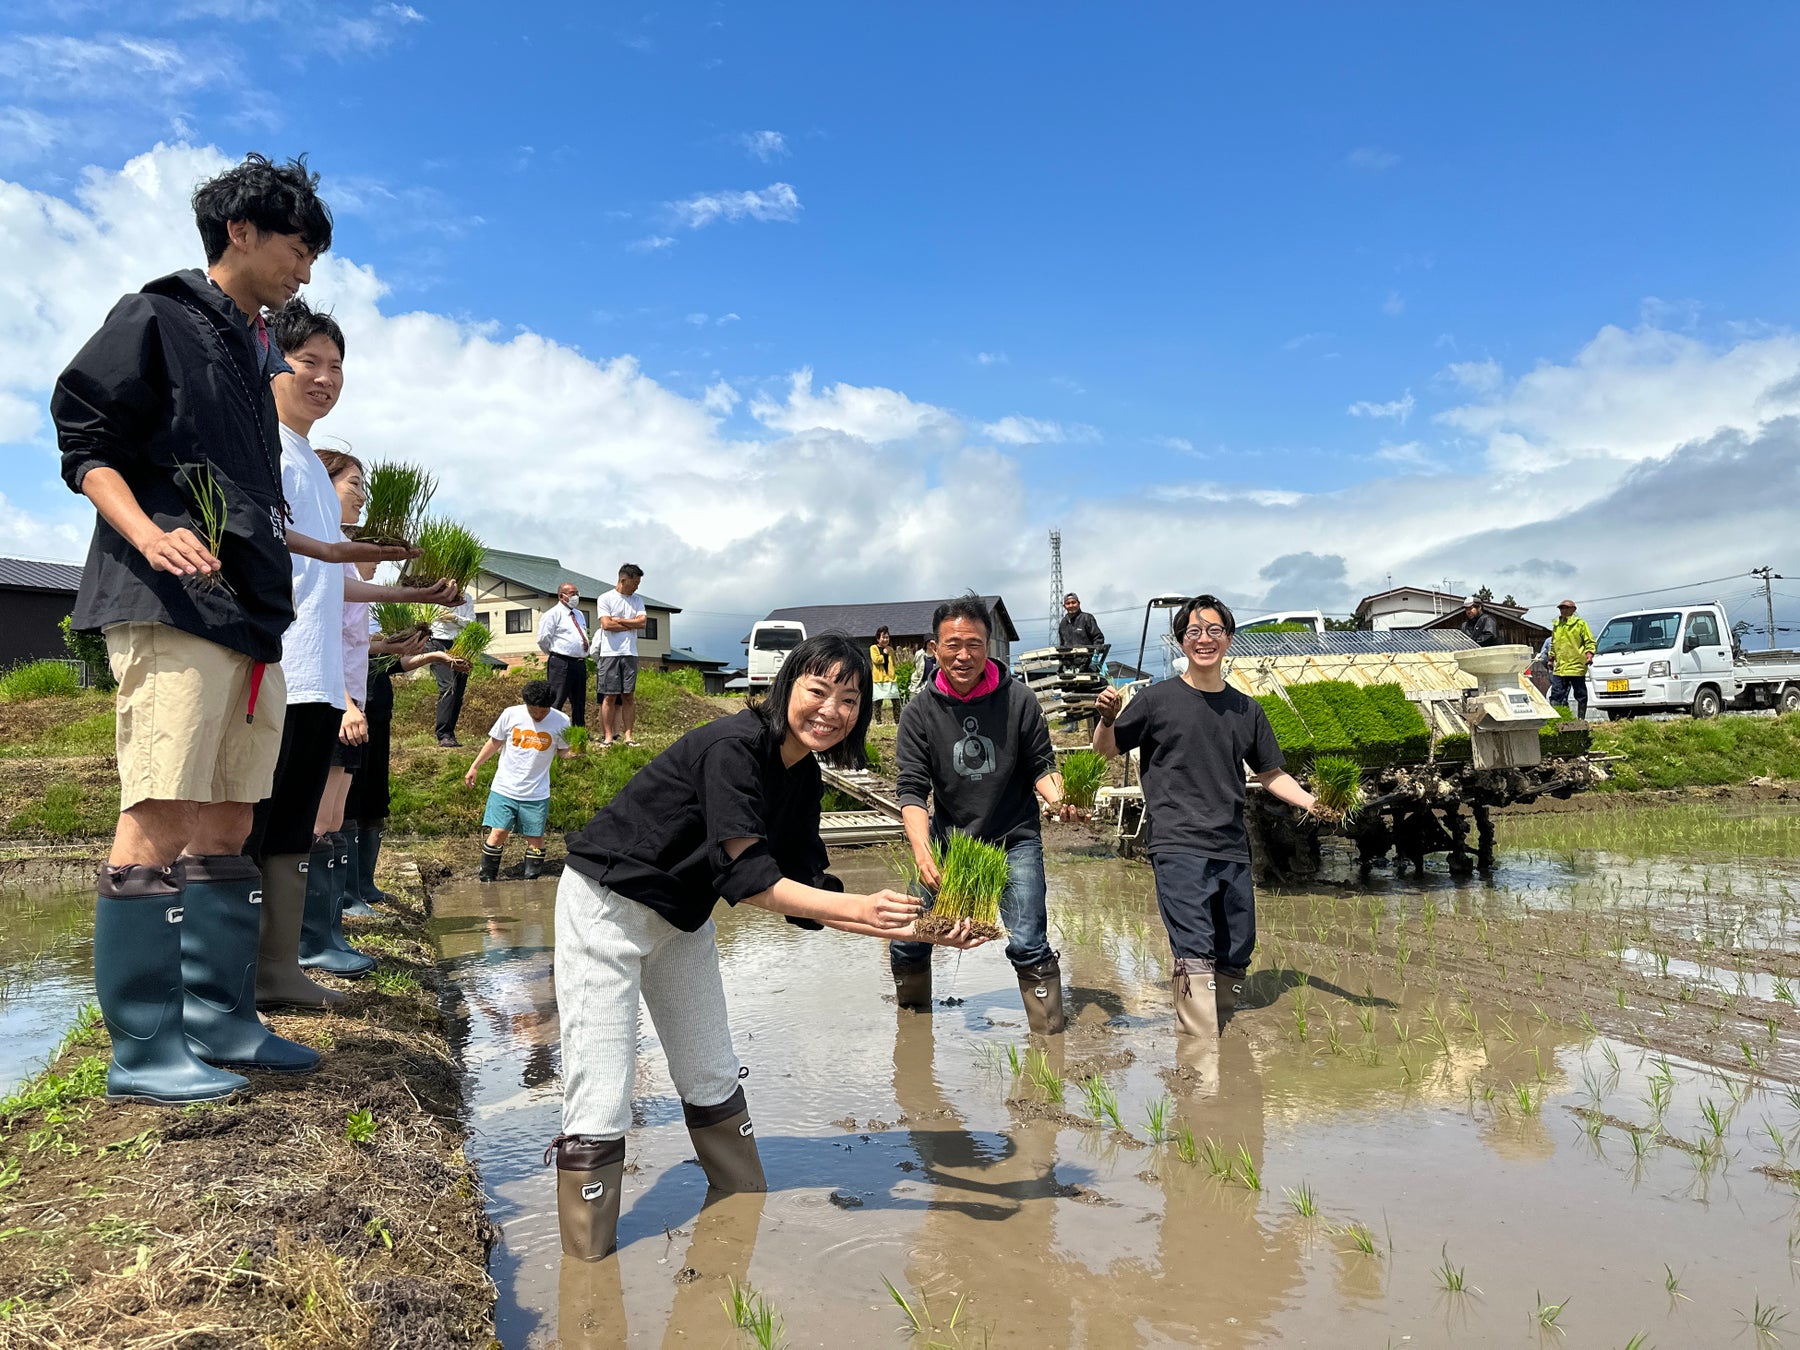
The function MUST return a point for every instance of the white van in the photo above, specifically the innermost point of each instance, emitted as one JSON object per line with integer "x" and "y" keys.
{"x": 770, "y": 642}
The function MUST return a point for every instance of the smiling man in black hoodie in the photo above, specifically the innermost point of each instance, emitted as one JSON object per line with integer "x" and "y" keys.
{"x": 976, "y": 741}
{"x": 165, "y": 417}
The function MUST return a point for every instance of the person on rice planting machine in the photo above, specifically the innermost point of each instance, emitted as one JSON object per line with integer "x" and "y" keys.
{"x": 729, "y": 812}
{"x": 1194, "y": 735}
{"x": 978, "y": 744}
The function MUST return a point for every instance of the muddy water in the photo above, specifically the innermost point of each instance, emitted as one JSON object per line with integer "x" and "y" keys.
{"x": 906, "y": 1149}
{"x": 46, "y": 974}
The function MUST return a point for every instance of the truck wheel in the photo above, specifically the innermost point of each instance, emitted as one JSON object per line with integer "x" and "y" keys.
{"x": 1707, "y": 703}
{"x": 1790, "y": 699}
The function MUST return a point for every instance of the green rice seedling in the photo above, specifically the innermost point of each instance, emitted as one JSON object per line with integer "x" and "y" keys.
{"x": 1334, "y": 1042}
{"x": 396, "y": 618}
{"x": 1774, "y": 1029}
{"x": 1218, "y": 1161}
{"x": 1246, "y": 1170}
{"x": 1592, "y": 1124}
{"x": 1083, "y": 775}
{"x": 1716, "y": 1121}
{"x": 211, "y": 514}
{"x": 1792, "y": 1093}
{"x": 1611, "y": 1057}
{"x": 1778, "y": 1139}
{"x": 1302, "y": 1200}
{"x": 1640, "y": 1144}
{"x": 1156, "y": 1117}
{"x": 1763, "y": 1319}
{"x": 1300, "y": 1019}
{"x": 1329, "y": 736}
{"x": 1748, "y": 1054}
{"x": 447, "y": 552}
{"x": 471, "y": 641}
{"x": 1185, "y": 1146}
{"x": 1014, "y": 1061}
{"x": 1452, "y": 1279}
{"x": 1102, "y": 1103}
{"x": 398, "y": 496}
{"x": 1362, "y": 1238}
{"x": 1290, "y": 731}
{"x": 1376, "y": 741}
{"x": 1337, "y": 783}
{"x": 1641, "y": 1341}
{"x": 1549, "y": 1314}
{"x": 1672, "y": 1284}
{"x": 1438, "y": 1033}
{"x": 1784, "y": 991}
{"x": 577, "y": 737}
{"x": 1365, "y": 1018}
{"x": 1403, "y": 718}
{"x": 1045, "y": 1078}
{"x": 751, "y": 1312}
{"x": 1527, "y": 1100}
{"x": 972, "y": 878}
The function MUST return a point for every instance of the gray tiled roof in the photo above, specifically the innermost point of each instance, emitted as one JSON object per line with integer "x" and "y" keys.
{"x": 546, "y": 574}
{"x": 1334, "y": 643}
{"x": 31, "y": 574}
{"x": 901, "y": 616}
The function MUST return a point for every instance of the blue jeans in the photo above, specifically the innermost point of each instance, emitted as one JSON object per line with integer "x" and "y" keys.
{"x": 1562, "y": 685}
{"x": 1209, "y": 907}
{"x": 1021, "y": 913}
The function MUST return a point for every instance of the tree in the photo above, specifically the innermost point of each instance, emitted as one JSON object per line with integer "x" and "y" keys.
{"x": 1341, "y": 625}
{"x": 1484, "y": 594}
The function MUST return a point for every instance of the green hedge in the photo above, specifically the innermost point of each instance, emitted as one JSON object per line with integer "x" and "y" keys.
{"x": 1290, "y": 732}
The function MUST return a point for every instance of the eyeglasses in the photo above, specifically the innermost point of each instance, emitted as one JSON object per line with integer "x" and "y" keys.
{"x": 1212, "y": 630}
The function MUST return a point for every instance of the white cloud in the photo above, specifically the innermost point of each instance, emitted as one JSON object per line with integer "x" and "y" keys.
{"x": 1372, "y": 159}
{"x": 1181, "y": 443}
{"x": 765, "y": 145}
{"x": 1399, "y": 409}
{"x": 875, "y": 415}
{"x": 1478, "y": 377}
{"x": 992, "y": 359}
{"x": 776, "y": 202}
{"x": 26, "y": 135}
{"x": 724, "y": 319}
{"x": 1017, "y": 430}
{"x": 720, "y": 398}
{"x": 654, "y": 243}
{"x": 1300, "y": 340}
{"x": 1408, "y": 455}
{"x": 1394, "y": 306}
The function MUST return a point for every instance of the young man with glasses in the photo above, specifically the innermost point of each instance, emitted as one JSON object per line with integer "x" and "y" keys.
{"x": 1195, "y": 735}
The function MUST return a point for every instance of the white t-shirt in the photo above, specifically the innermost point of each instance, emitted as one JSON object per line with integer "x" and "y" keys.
{"x": 619, "y": 607}
{"x": 312, "y": 649}
{"x": 461, "y": 616}
{"x": 357, "y": 614}
{"x": 526, "y": 749}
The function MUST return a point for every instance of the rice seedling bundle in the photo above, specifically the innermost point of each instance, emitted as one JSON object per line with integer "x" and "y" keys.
{"x": 1337, "y": 783}
{"x": 1376, "y": 742}
{"x": 396, "y": 618}
{"x": 471, "y": 642}
{"x": 1329, "y": 736}
{"x": 972, "y": 877}
{"x": 1083, "y": 775}
{"x": 210, "y": 514}
{"x": 1290, "y": 732}
{"x": 1404, "y": 717}
{"x": 1455, "y": 746}
{"x": 398, "y": 496}
{"x": 577, "y": 738}
{"x": 447, "y": 552}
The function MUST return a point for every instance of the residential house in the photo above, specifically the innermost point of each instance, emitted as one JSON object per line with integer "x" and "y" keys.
{"x": 908, "y": 623}
{"x": 1405, "y": 607}
{"x": 35, "y": 597}
{"x": 514, "y": 590}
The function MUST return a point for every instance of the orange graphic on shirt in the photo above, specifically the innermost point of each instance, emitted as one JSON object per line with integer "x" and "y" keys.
{"x": 530, "y": 740}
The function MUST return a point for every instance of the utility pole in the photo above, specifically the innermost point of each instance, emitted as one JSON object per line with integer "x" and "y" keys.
{"x": 1056, "y": 584}
{"x": 1769, "y": 577}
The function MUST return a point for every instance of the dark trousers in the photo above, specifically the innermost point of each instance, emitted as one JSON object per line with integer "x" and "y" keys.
{"x": 1209, "y": 907}
{"x": 368, "y": 799}
{"x": 568, "y": 682}
{"x": 283, "y": 822}
{"x": 451, "y": 684}
{"x": 1561, "y": 686}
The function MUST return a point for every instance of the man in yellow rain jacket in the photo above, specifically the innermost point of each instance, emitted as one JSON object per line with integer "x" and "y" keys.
{"x": 1571, "y": 653}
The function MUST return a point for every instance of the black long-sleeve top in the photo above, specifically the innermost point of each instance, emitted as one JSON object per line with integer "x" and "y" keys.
{"x": 661, "y": 840}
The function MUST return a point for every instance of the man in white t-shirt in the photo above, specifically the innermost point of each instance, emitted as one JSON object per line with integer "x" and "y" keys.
{"x": 621, "y": 619}
{"x": 527, "y": 737}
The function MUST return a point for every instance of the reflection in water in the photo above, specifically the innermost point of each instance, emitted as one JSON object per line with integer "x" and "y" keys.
{"x": 46, "y": 975}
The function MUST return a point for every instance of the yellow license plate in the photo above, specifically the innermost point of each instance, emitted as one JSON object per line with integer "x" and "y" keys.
{"x": 1618, "y": 686}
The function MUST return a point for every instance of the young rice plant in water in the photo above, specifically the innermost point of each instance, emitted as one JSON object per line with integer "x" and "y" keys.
{"x": 1083, "y": 775}
{"x": 398, "y": 496}
{"x": 972, "y": 877}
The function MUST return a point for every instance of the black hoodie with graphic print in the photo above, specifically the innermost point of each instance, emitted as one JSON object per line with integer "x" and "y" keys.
{"x": 980, "y": 761}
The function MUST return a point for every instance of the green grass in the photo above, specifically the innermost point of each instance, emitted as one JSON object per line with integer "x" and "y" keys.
{"x": 67, "y": 811}
{"x": 87, "y": 1078}
{"x": 1690, "y": 752}
{"x": 81, "y": 733}
{"x": 39, "y": 679}
{"x": 1083, "y": 774}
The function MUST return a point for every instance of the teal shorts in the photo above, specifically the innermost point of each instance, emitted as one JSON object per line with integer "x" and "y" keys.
{"x": 516, "y": 817}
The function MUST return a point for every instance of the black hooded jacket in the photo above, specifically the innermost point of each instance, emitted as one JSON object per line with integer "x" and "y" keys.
{"x": 172, "y": 385}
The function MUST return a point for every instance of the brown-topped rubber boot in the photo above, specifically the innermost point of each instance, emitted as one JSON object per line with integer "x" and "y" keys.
{"x": 725, "y": 1141}
{"x": 280, "y": 983}
{"x": 1228, "y": 989}
{"x": 589, "y": 1172}
{"x": 912, "y": 986}
{"x": 1196, "y": 999}
{"x": 1040, "y": 986}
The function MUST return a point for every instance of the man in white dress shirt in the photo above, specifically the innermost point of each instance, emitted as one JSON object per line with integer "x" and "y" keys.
{"x": 563, "y": 639}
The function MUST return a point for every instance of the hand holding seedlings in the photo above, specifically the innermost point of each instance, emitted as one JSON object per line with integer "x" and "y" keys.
{"x": 926, "y": 866}
{"x": 891, "y": 909}
{"x": 1107, "y": 703}
{"x": 178, "y": 551}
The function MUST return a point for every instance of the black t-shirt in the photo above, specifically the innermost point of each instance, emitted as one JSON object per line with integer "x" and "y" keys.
{"x": 1192, "y": 748}
{"x": 661, "y": 840}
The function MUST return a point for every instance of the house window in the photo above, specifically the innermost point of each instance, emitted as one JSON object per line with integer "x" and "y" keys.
{"x": 484, "y": 618}
{"x": 518, "y": 621}
{"x": 649, "y": 628}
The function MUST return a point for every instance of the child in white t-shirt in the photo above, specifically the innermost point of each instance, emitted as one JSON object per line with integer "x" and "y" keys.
{"x": 527, "y": 737}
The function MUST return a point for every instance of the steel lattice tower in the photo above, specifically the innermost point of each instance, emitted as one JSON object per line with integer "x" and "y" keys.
{"x": 1056, "y": 583}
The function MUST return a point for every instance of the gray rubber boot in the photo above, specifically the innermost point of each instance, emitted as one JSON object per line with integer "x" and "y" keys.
{"x": 354, "y": 883}
{"x": 1196, "y": 999}
{"x": 280, "y": 983}
{"x": 320, "y": 947}
{"x": 589, "y": 1172}
{"x": 137, "y": 975}
{"x": 725, "y": 1141}
{"x": 912, "y": 986}
{"x": 368, "y": 844}
{"x": 219, "y": 932}
{"x": 1040, "y": 987}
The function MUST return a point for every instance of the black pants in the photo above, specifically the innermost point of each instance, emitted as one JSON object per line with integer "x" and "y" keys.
{"x": 451, "y": 684}
{"x": 1209, "y": 907}
{"x": 368, "y": 799}
{"x": 568, "y": 683}
{"x": 284, "y": 820}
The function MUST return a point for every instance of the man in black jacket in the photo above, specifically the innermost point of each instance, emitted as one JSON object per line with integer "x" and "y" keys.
{"x": 1478, "y": 625}
{"x": 1077, "y": 628}
{"x": 975, "y": 741}
{"x": 166, "y": 424}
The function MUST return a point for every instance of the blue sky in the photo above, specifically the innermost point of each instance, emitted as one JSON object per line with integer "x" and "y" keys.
{"x": 1209, "y": 290}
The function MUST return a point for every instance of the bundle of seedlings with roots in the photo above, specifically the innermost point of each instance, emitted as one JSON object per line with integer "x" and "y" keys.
{"x": 447, "y": 551}
{"x": 398, "y": 496}
{"x": 972, "y": 877}
{"x": 471, "y": 642}
{"x": 1337, "y": 783}
{"x": 397, "y": 619}
{"x": 210, "y": 515}
{"x": 577, "y": 738}
{"x": 1083, "y": 775}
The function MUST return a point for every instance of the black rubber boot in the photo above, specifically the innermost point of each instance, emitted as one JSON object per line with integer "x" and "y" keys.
{"x": 588, "y": 1175}
{"x": 350, "y": 867}
{"x": 219, "y": 932}
{"x": 368, "y": 844}
{"x": 725, "y": 1141}
{"x": 320, "y": 947}
{"x": 1228, "y": 988}
{"x": 912, "y": 985}
{"x": 137, "y": 975}
{"x": 534, "y": 863}
{"x": 490, "y": 862}
{"x": 1040, "y": 987}
{"x": 280, "y": 983}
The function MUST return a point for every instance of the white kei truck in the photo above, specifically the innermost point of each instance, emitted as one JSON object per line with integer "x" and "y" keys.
{"x": 1685, "y": 658}
{"x": 770, "y": 642}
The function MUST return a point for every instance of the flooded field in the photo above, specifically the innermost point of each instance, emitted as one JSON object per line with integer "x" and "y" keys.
{"x": 1552, "y": 1103}
{"x": 46, "y": 975}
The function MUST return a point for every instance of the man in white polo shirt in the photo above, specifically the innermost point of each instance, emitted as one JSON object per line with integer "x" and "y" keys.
{"x": 621, "y": 619}
{"x": 563, "y": 639}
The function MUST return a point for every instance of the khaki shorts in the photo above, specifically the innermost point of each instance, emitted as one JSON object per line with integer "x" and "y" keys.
{"x": 182, "y": 736}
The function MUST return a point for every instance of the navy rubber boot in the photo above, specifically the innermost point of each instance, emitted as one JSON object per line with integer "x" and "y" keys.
{"x": 219, "y": 933}
{"x": 350, "y": 865}
{"x": 318, "y": 949}
{"x": 369, "y": 845}
{"x": 338, "y": 874}
{"x": 137, "y": 974}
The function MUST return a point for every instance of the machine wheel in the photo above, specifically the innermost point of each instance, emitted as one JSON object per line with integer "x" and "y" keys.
{"x": 1789, "y": 700}
{"x": 1707, "y": 702}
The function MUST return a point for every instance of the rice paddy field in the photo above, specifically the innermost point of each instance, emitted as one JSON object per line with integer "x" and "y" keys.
{"x": 1557, "y": 1104}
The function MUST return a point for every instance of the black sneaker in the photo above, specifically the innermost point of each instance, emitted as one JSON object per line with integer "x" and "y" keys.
{"x": 449, "y": 743}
